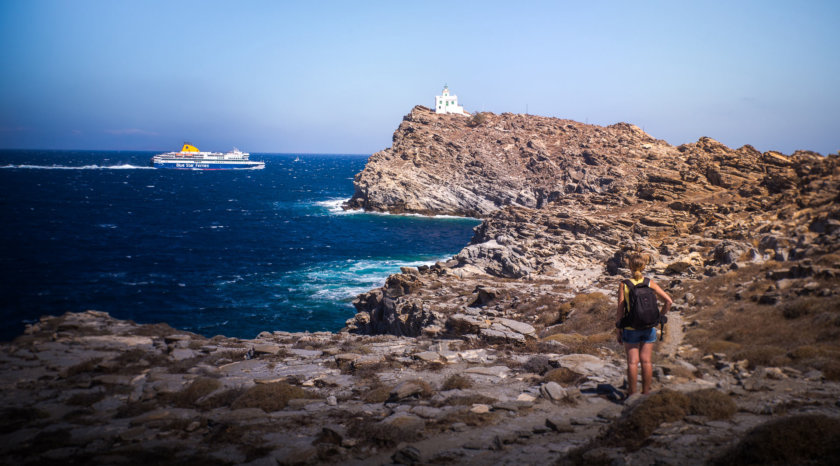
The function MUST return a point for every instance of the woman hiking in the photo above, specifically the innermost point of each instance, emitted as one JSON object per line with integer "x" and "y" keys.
{"x": 638, "y": 341}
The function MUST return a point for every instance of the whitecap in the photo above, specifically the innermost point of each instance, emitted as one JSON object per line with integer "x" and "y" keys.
{"x": 342, "y": 281}
{"x": 83, "y": 167}
{"x": 334, "y": 206}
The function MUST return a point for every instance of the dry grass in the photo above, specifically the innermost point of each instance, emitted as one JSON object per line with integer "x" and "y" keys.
{"x": 136, "y": 408}
{"x": 199, "y": 388}
{"x": 457, "y": 381}
{"x": 538, "y": 365}
{"x": 633, "y": 428}
{"x": 383, "y": 435}
{"x": 795, "y": 332}
{"x": 377, "y": 394}
{"x": 763, "y": 355}
{"x": 591, "y": 313}
{"x": 12, "y": 419}
{"x": 806, "y": 439}
{"x": 469, "y": 418}
{"x": 155, "y": 330}
{"x": 269, "y": 397}
{"x": 84, "y": 367}
{"x": 85, "y": 399}
{"x": 221, "y": 400}
{"x": 712, "y": 404}
{"x": 467, "y": 400}
{"x": 576, "y": 343}
{"x": 563, "y": 375}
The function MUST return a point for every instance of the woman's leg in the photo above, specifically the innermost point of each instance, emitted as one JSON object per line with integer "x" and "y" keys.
{"x": 645, "y": 354}
{"x": 632, "y": 350}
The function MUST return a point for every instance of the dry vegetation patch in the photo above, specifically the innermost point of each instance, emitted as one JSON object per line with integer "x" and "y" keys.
{"x": 563, "y": 375}
{"x": 804, "y": 439}
{"x": 199, "y": 388}
{"x": 12, "y": 419}
{"x": 377, "y": 394}
{"x": 270, "y": 396}
{"x": 635, "y": 426}
{"x": 457, "y": 381}
{"x": 800, "y": 330}
{"x": 467, "y": 400}
{"x": 383, "y": 435}
{"x": 711, "y": 403}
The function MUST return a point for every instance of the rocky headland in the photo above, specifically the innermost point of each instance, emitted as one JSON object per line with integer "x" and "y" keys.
{"x": 505, "y": 353}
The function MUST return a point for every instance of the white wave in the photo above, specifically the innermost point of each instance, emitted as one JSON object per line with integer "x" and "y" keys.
{"x": 334, "y": 207}
{"x": 82, "y": 167}
{"x": 342, "y": 281}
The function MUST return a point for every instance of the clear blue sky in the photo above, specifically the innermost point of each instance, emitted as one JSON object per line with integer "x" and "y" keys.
{"x": 272, "y": 76}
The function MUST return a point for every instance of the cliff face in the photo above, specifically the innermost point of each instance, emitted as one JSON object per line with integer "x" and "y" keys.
{"x": 473, "y": 166}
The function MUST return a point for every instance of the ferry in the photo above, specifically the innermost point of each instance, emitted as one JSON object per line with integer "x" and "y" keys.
{"x": 190, "y": 158}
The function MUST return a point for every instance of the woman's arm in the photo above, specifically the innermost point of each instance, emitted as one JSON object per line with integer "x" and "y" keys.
{"x": 662, "y": 295}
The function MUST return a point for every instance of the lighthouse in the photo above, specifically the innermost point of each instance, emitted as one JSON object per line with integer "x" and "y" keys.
{"x": 446, "y": 103}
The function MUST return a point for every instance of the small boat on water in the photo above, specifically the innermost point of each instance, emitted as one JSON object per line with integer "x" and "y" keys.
{"x": 190, "y": 158}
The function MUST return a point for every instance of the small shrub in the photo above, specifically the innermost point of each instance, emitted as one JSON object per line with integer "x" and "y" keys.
{"x": 814, "y": 351}
{"x": 198, "y": 389}
{"x": 563, "y": 375}
{"x": 383, "y": 435}
{"x": 469, "y": 418}
{"x": 721, "y": 346}
{"x": 631, "y": 430}
{"x": 377, "y": 394}
{"x": 804, "y": 439}
{"x": 221, "y": 400}
{"x": 574, "y": 343}
{"x": 154, "y": 330}
{"x": 830, "y": 368}
{"x": 11, "y": 419}
{"x": 135, "y": 408}
{"x": 538, "y": 365}
{"x": 712, "y": 404}
{"x": 84, "y": 367}
{"x": 85, "y": 399}
{"x": 269, "y": 397}
{"x": 457, "y": 381}
{"x": 478, "y": 119}
{"x": 762, "y": 355}
{"x": 467, "y": 400}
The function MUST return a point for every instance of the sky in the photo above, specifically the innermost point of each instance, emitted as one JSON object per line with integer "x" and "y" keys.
{"x": 337, "y": 77}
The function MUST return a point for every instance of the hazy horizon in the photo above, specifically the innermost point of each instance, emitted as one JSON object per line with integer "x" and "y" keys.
{"x": 335, "y": 77}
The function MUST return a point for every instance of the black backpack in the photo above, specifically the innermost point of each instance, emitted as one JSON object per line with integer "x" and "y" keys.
{"x": 644, "y": 310}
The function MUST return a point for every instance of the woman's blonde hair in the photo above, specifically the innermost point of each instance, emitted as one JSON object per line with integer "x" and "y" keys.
{"x": 637, "y": 262}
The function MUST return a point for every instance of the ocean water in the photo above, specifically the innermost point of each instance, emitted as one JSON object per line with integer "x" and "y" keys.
{"x": 212, "y": 252}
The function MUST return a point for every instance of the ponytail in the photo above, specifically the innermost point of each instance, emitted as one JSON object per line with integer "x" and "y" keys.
{"x": 637, "y": 262}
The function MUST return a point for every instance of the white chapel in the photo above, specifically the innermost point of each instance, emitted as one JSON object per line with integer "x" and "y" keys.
{"x": 448, "y": 103}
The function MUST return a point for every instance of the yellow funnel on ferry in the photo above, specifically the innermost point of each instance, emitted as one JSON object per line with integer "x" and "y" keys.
{"x": 189, "y": 148}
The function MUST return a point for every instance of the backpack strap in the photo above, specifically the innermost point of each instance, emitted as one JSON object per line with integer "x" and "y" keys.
{"x": 645, "y": 282}
{"x": 628, "y": 284}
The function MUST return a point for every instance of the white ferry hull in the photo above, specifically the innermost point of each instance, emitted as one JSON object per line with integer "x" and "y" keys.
{"x": 190, "y": 158}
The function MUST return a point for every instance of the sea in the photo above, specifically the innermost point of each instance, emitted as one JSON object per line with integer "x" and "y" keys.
{"x": 227, "y": 252}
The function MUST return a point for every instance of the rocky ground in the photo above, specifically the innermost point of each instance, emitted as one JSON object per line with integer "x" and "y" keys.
{"x": 88, "y": 389}
{"x": 505, "y": 353}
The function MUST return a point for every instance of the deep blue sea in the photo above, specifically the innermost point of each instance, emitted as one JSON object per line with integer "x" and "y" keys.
{"x": 231, "y": 252}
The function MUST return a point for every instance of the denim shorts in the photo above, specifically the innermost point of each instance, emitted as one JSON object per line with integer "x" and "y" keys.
{"x": 638, "y": 336}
